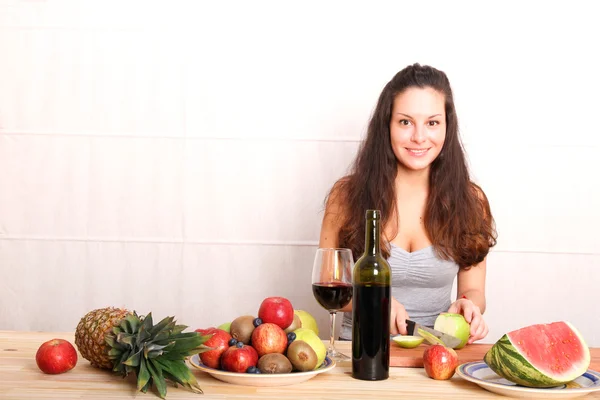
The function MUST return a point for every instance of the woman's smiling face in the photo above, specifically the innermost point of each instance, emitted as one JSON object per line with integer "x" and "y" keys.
{"x": 418, "y": 127}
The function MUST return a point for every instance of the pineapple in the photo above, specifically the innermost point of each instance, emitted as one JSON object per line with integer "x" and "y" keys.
{"x": 91, "y": 331}
{"x": 117, "y": 339}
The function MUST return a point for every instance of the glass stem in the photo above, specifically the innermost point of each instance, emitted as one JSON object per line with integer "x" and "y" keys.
{"x": 331, "y": 348}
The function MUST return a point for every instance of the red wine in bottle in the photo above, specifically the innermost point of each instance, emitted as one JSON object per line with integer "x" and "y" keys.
{"x": 371, "y": 308}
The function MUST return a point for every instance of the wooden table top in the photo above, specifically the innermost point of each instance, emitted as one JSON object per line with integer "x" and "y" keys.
{"x": 21, "y": 379}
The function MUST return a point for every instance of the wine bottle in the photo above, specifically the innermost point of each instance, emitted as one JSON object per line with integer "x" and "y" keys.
{"x": 371, "y": 307}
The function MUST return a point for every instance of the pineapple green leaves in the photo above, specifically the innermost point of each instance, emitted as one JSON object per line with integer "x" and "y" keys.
{"x": 156, "y": 353}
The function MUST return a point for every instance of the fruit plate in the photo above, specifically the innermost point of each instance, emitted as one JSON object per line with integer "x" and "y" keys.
{"x": 261, "y": 379}
{"x": 478, "y": 372}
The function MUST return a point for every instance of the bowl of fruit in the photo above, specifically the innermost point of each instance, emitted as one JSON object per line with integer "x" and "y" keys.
{"x": 277, "y": 347}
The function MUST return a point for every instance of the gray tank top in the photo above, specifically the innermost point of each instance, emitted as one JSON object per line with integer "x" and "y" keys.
{"x": 421, "y": 281}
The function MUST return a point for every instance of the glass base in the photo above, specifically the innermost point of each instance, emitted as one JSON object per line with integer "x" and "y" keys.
{"x": 337, "y": 356}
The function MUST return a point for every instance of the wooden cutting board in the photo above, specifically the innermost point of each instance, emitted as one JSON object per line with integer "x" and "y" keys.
{"x": 400, "y": 357}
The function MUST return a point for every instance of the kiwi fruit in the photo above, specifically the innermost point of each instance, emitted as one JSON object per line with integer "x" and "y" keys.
{"x": 241, "y": 328}
{"x": 274, "y": 363}
{"x": 302, "y": 356}
{"x": 296, "y": 323}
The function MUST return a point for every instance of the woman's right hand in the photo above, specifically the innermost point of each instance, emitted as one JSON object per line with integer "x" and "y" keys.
{"x": 398, "y": 318}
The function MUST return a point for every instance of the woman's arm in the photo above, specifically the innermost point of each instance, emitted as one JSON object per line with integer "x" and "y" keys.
{"x": 471, "y": 284}
{"x": 332, "y": 221}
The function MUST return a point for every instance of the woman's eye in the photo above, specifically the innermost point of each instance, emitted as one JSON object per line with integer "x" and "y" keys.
{"x": 404, "y": 122}
{"x": 434, "y": 123}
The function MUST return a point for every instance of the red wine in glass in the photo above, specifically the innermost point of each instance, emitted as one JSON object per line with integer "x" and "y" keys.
{"x": 332, "y": 296}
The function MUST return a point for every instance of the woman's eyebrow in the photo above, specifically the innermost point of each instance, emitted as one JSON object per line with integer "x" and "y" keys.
{"x": 406, "y": 115}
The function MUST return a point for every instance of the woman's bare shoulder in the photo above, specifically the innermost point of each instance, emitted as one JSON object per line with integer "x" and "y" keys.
{"x": 334, "y": 214}
{"x": 337, "y": 197}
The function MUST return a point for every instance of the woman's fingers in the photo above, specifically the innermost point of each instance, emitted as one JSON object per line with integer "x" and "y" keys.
{"x": 479, "y": 334}
{"x": 394, "y": 328}
{"x": 479, "y": 328}
{"x": 393, "y": 316}
{"x": 397, "y": 318}
{"x": 469, "y": 314}
{"x": 481, "y": 331}
{"x": 454, "y": 308}
{"x": 401, "y": 323}
{"x": 475, "y": 324}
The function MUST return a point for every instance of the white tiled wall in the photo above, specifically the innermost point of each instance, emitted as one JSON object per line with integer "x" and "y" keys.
{"x": 175, "y": 158}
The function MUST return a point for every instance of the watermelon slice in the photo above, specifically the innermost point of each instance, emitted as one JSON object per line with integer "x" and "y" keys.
{"x": 541, "y": 355}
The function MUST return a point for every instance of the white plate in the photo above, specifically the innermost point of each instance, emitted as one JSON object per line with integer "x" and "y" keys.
{"x": 479, "y": 373}
{"x": 262, "y": 379}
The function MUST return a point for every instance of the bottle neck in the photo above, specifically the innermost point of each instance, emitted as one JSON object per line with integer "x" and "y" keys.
{"x": 372, "y": 237}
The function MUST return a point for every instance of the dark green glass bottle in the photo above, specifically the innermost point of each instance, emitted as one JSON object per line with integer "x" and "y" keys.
{"x": 371, "y": 307}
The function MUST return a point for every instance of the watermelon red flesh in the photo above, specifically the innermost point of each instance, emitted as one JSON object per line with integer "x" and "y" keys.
{"x": 543, "y": 355}
{"x": 555, "y": 349}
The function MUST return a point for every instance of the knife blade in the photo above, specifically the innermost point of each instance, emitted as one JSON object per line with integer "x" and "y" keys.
{"x": 449, "y": 341}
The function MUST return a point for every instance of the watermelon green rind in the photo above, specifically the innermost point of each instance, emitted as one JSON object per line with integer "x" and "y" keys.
{"x": 505, "y": 360}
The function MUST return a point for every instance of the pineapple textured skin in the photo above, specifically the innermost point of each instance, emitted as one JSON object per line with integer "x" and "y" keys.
{"x": 91, "y": 331}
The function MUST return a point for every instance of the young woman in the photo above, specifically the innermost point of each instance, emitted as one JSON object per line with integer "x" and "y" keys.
{"x": 436, "y": 223}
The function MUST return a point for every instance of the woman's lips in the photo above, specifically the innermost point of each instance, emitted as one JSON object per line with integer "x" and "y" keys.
{"x": 417, "y": 152}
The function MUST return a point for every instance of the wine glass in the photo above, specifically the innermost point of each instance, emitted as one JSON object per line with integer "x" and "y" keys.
{"x": 332, "y": 287}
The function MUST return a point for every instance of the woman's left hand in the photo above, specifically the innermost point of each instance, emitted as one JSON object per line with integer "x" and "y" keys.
{"x": 472, "y": 314}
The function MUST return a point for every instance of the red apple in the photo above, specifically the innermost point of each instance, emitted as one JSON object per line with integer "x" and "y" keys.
{"x": 276, "y": 310}
{"x": 56, "y": 356}
{"x": 269, "y": 338}
{"x": 238, "y": 359}
{"x": 440, "y": 362}
{"x": 219, "y": 341}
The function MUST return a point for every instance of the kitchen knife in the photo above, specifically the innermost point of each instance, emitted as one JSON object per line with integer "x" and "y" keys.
{"x": 449, "y": 341}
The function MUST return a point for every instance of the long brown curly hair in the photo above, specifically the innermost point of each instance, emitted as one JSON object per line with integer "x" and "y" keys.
{"x": 457, "y": 217}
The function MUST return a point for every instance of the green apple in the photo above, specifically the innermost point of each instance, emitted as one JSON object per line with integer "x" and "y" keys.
{"x": 455, "y": 325}
{"x": 408, "y": 342}
{"x": 429, "y": 337}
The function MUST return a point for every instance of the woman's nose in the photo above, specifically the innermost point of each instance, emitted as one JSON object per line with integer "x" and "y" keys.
{"x": 418, "y": 135}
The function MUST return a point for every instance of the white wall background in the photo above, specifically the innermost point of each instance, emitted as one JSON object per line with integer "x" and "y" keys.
{"x": 174, "y": 156}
